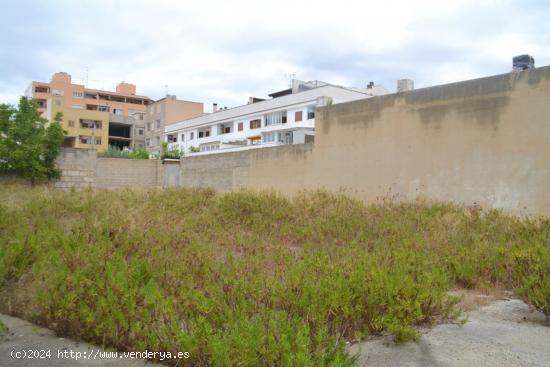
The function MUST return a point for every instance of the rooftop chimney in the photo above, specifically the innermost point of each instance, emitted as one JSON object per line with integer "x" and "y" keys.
{"x": 405, "y": 85}
{"x": 523, "y": 62}
{"x": 126, "y": 88}
{"x": 61, "y": 77}
{"x": 214, "y": 107}
{"x": 370, "y": 85}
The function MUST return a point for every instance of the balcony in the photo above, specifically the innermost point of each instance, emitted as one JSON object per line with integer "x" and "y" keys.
{"x": 121, "y": 119}
{"x": 233, "y": 148}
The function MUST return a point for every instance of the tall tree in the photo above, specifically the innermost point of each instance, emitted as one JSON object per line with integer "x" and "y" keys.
{"x": 29, "y": 144}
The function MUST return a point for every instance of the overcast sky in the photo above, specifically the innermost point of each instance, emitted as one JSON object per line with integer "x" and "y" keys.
{"x": 226, "y": 51}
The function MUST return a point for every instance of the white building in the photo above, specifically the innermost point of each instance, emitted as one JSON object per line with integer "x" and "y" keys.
{"x": 287, "y": 118}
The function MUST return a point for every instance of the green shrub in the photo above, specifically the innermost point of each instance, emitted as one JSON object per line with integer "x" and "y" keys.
{"x": 169, "y": 153}
{"x": 136, "y": 153}
{"x": 252, "y": 278}
{"x": 139, "y": 153}
{"x": 3, "y": 329}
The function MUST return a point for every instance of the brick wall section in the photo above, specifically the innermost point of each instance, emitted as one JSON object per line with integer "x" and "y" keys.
{"x": 117, "y": 172}
{"x": 78, "y": 168}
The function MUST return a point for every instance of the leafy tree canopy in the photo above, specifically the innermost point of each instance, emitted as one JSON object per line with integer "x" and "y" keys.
{"x": 29, "y": 144}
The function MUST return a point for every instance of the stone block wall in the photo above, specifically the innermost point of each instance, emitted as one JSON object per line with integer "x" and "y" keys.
{"x": 78, "y": 168}
{"x": 83, "y": 169}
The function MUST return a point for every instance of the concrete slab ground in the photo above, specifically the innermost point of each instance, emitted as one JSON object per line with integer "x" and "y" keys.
{"x": 505, "y": 333}
{"x": 23, "y": 336}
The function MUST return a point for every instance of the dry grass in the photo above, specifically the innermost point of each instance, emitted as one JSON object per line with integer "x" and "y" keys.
{"x": 254, "y": 278}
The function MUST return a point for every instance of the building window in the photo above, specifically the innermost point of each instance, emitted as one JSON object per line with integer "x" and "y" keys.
{"x": 147, "y": 142}
{"x": 255, "y": 124}
{"x": 298, "y": 116}
{"x": 41, "y": 89}
{"x": 140, "y": 131}
{"x": 269, "y": 137}
{"x": 172, "y": 138}
{"x": 78, "y": 95}
{"x": 141, "y": 116}
{"x": 90, "y": 124}
{"x": 158, "y": 124}
{"x": 240, "y": 126}
{"x": 148, "y": 126}
{"x": 226, "y": 130}
{"x": 209, "y": 147}
{"x": 192, "y": 136}
{"x": 76, "y": 107}
{"x": 310, "y": 113}
{"x": 71, "y": 123}
{"x": 204, "y": 134}
{"x": 118, "y": 111}
{"x": 89, "y": 140}
{"x": 103, "y": 108}
{"x": 182, "y": 137}
{"x": 57, "y": 92}
{"x": 275, "y": 118}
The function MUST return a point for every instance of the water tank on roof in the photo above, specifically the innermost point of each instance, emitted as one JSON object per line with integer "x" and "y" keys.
{"x": 405, "y": 85}
{"x": 523, "y": 62}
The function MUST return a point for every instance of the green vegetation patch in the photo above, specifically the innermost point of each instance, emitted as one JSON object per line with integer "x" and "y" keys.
{"x": 136, "y": 153}
{"x": 252, "y": 279}
{"x": 3, "y": 329}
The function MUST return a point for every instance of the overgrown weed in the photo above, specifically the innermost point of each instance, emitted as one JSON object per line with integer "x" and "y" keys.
{"x": 253, "y": 278}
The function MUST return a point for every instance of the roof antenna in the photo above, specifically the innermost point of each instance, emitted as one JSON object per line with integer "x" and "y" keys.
{"x": 290, "y": 77}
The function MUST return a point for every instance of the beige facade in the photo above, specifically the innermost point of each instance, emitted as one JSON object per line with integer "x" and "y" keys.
{"x": 84, "y": 128}
{"x": 478, "y": 142}
{"x": 121, "y": 106}
{"x": 167, "y": 111}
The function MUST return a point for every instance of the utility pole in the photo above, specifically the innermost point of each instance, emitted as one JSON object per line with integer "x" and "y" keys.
{"x": 93, "y": 136}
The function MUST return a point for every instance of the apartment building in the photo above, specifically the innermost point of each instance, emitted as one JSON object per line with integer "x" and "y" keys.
{"x": 287, "y": 118}
{"x": 165, "y": 112}
{"x": 124, "y": 109}
{"x": 84, "y": 128}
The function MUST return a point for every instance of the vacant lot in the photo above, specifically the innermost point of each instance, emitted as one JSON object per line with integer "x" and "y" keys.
{"x": 252, "y": 278}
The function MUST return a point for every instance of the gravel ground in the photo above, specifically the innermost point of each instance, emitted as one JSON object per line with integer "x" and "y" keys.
{"x": 501, "y": 334}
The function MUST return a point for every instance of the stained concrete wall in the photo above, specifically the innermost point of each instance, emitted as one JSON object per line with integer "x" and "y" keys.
{"x": 483, "y": 141}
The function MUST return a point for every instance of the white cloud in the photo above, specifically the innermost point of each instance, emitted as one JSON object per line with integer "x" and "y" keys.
{"x": 225, "y": 51}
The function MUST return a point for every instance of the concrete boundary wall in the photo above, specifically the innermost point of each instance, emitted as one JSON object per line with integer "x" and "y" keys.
{"x": 82, "y": 169}
{"x": 484, "y": 141}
